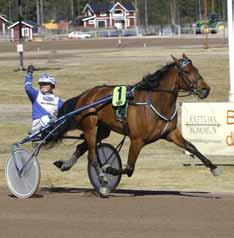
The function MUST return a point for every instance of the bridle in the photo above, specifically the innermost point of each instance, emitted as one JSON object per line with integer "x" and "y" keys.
{"x": 189, "y": 83}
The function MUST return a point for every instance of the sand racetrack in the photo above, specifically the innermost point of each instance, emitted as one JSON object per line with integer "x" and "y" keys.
{"x": 63, "y": 212}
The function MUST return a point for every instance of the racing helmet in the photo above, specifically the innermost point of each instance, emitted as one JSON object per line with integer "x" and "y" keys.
{"x": 47, "y": 78}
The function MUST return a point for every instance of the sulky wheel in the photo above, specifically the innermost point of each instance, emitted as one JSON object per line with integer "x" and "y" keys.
{"x": 22, "y": 174}
{"x": 106, "y": 154}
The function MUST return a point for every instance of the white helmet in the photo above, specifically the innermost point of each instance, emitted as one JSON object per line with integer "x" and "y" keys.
{"x": 47, "y": 78}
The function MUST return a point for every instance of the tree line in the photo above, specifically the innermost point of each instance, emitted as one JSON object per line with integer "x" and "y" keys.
{"x": 149, "y": 12}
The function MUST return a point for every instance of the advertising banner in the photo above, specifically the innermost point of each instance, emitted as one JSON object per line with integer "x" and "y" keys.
{"x": 209, "y": 126}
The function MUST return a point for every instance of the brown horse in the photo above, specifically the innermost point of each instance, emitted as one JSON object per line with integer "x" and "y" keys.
{"x": 151, "y": 115}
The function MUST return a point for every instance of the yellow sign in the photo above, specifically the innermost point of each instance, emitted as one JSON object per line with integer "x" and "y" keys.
{"x": 119, "y": 96}
{"x": 50, "y": 26}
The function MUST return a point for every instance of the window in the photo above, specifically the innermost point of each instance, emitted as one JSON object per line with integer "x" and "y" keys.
{"x": 102, "y": 14}
{"x": 25, "y": 32}
{"x": 91, "y": 22}
{"x": 101, "y": 24}
{"x": 127, "y": 23}
{"x": 118, "y": 12}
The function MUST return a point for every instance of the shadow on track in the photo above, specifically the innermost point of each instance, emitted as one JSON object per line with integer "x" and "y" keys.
{"x": 130, "y": 192}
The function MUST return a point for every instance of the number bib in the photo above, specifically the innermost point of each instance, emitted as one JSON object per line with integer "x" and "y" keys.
{"x": 119, "y": 96}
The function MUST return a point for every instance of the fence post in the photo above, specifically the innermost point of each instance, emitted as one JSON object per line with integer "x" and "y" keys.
{"x": 179, "y": 30}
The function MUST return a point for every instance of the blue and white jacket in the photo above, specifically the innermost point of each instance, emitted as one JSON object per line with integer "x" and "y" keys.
{"x": 42, "y": 104}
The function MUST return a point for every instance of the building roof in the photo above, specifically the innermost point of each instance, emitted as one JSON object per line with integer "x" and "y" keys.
{"x": 32, "y": 23}
{"x": 128, "y": 6}
{"x": 107, "y": 7}
{"x": 3, "y": 18}
{"x": 23, "y": 22}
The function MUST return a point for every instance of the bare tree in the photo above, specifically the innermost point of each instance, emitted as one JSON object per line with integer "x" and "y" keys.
{"x": 136, "y": 6}
{"x": 72, "y": 9}
{"x": 224, "y": 10}
{"x": 146, "y": 13}
{"x": 173, "y": 11}
{"x": 42, "y": 11}
{"x": 199, "y": 10}
{"x": 38, "y": 13}
{"x": 212, "y": 6}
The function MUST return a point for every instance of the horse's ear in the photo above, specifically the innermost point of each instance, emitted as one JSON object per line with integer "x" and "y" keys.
{"x": 185, "y": 56}
{"x": 175, "y": 59}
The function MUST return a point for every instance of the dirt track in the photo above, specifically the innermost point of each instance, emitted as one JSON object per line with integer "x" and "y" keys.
{"x": 64, "y": 212}
{"x": 115, "y": 43}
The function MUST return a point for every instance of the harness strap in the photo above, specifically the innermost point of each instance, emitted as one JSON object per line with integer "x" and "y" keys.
{"x": 165, "y": 128}
{"x": 151, "y": 106}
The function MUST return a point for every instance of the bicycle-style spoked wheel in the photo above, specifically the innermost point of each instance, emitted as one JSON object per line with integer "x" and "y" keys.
{"x": 22, "y": 174}
{"x": 106, "y": 154}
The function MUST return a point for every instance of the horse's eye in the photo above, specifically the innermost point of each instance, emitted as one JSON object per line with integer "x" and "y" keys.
{"x": 186, "y": 71}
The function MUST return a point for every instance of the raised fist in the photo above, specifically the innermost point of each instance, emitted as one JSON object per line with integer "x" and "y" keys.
{"x": 30, "y": 69}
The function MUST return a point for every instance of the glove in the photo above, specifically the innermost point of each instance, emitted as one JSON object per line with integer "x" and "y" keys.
{"x": 30, "y": 69}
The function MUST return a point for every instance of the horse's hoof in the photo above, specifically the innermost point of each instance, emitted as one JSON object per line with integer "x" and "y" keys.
{"x": 104, "y": 192}
{"x": 65, "y": 167}
{"x": 216, "y": 171}
{"x": 58, "y": 163}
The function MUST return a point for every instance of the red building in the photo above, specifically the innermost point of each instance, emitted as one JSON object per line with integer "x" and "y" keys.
{"x": 109, "y": 15}
{"x": 28, "y": 28}
{"x": 3, "y": 22}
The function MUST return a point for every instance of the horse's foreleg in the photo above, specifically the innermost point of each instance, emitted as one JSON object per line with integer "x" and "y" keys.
{"x": 134, "y": 150}
{"x": 177, "y": 138}
{"x": 91, "y": 140}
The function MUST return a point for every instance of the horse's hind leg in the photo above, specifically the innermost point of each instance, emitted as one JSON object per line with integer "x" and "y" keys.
{"x": 65, "y": 165}
{"x": 176, "y": 137}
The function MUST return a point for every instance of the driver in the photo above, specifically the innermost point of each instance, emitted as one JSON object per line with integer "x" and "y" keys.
{"x": 45, "y": 104}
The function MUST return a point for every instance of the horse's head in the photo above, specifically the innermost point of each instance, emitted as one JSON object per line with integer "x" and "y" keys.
{"x": 189, "y": 77}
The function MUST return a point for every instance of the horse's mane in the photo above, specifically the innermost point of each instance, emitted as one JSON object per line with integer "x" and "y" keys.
{"x": 151, "y": 81}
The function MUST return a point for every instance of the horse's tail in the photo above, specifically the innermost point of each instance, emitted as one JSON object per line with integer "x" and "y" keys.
{"x": 70, "y": 123}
